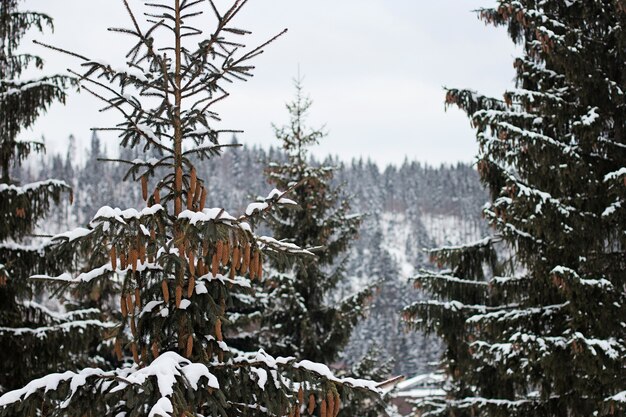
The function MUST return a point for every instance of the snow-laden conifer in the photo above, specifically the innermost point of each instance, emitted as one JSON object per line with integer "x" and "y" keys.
{"x": 181, "y": 259}
{"x": 304, "y": 316}
{"x": 30, "y": 331}
{"x": 543, "y": 333}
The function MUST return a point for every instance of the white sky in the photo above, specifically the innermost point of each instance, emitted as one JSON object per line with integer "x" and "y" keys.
{"x": 375, "y": 70}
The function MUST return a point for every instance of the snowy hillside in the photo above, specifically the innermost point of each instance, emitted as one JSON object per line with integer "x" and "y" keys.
{"x": 395, "y": 243}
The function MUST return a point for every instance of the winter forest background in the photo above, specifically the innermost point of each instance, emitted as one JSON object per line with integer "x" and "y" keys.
{"x": 408, "y": 209}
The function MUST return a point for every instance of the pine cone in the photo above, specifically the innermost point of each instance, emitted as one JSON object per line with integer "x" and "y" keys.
{"x": 166, "y": 291}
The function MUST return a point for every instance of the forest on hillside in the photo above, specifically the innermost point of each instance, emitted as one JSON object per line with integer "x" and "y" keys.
{"x": 407, "y": 209}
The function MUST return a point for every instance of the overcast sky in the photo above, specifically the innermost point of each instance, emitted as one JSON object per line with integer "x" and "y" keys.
{"x": 375, "y": 70}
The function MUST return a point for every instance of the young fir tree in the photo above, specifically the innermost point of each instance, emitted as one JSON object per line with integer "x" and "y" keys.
{"x": 178, "y": 261}
{"x": 30, "y": 333}
{"x": 301, "y": 318}
{"x": 544, "y": 337}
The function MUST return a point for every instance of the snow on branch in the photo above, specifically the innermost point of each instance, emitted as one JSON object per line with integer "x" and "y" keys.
{"x": 325, "y": 372}
{"x": 43, "y": 332}
{"x": 207, "y": 215}
{"x": 167, "y": 370}
{"x": 515, "y": 314}
{"x": 563, "y": 272}
{"x": 544, "y": 197}
{"x": 432, "y": 279}
{"x": 239, "y": 281}
{"x": 280, "y": 246}
{"x": 508, "y": 280}
{"x": 13, "y": 246}
{"x": 612, "y": 209}
{"x": 22, "y": 87}
{"x": 619, "y": 397}
{"x": 275, "y": 197}
{"x": 612, "y": 176}
{"x": 98, "y": 273}
{"x": 106, "y": 214}
{"x": 535, "y": 96}
{"x": 453, "y": 306}
{"x": 469, "y": 402}
{"x": 510, "y": 228}
{"x": 72, "y": 235}
{"x": 526, "y": 190}
{"x": 548, "y": 345}
{"x": 34, "y": 186}
{"x": 59, "y": 317}
{"x": 481, "y": 243}
{"x": 589, "y": 118}
{"x": 262, "y": 358}
{"x": 123, "y": 72}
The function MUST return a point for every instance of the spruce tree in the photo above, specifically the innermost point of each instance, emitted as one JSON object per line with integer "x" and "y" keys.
{"x": 179, "y": 262}
{"x": 30, "y": 330}
{"x": 302, "y": 319}
{"x": 533, "y": 317}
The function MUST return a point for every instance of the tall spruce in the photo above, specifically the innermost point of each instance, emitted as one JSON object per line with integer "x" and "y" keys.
{"x": 30, "y": 331}
{"x": 303, "y": 317}
{"x": 179, "y": 262}
{"x": 542, "y": 335}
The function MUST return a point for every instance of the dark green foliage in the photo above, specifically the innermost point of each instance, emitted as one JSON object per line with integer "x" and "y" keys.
{"x": 30, "y": 333}
{"x": 543, "y": 333}
{"x": 375, "y": 365}
{"x": 302, "y": 319}
{"x": 22, "y": 207}
{"x": 21, "y": 101}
